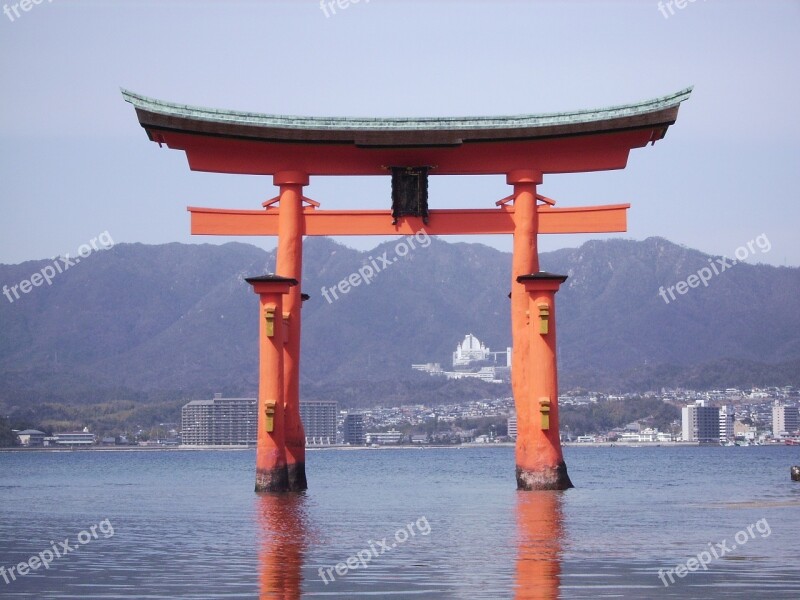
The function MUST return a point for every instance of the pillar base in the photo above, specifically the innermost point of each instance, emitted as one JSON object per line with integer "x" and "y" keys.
{"x": 297, "y": 477}
{"x": 272, "y": 480}
{"x": 548, "y": 478}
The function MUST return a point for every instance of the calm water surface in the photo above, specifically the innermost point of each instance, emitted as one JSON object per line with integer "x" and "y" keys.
{"x": 429, "y": 523}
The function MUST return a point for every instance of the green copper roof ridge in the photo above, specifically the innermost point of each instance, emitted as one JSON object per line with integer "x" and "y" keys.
{"x": 404, "y": 123}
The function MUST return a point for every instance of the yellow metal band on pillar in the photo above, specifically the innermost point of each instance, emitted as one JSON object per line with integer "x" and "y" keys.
{"x": 544, "y": 409}
{"x": 269, "y": 412}
{"x": 269, "y": 315}
{"x": 544, "y": 319}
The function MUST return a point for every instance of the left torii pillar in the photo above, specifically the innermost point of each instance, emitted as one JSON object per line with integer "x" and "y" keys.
{"x": 271, "y": 467}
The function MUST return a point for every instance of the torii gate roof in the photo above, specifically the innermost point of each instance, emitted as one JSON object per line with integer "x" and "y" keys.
{"x": 251, "y": 143}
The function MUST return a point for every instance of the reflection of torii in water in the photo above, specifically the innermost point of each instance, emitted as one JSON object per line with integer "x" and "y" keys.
{"x": 540, "y": 534}
{"x": 286, "y": 533}
{"x": 522, "y": 148}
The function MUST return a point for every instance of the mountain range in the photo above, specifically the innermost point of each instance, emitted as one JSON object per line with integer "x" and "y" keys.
{"x": 138, "y": 321}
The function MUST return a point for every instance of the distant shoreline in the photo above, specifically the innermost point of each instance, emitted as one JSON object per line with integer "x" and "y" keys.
{"x": 361, "y": 448}
{"x": 633, "y": 444}
{"x": 129, "y": 449}
{"x": 242, "y": 448}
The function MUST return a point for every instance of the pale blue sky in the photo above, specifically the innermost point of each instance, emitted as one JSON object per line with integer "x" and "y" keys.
{"x": 74, "y": 161}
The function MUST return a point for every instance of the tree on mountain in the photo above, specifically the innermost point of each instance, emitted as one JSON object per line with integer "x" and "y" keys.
{"x": 7, "y": 437}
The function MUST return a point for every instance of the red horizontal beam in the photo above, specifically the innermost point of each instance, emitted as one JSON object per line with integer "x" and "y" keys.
{"x": 587, "y": 219}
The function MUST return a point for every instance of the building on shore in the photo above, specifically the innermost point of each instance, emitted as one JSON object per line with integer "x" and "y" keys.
{"x": 319, "y": 421}
{"x": 700, "y": 423}
{"x": 784, "y": 420}
{"x": 219, "y": 422}
{"x": 384, "y": 437}
{"x": 31, "y": 438}
{"x": 354, "y": 432}
{"x": 727, "y": 418}
{"x": 512, "y": 426}
{"x": 745, "y": 432}
{"x": 75, "y": 438}
{"x": 648, "y": 435}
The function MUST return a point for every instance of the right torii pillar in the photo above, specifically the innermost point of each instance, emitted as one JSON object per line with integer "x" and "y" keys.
{"x": 534, "y": 373}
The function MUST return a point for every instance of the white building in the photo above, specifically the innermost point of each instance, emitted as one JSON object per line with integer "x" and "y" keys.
{"x": 746, "y": 432}
{"x": 384, "y": 437}
{"x": 726, "y": 420}
{"x": 31, "y": 437}
{"x": 75, "y": 438}
{"x": 484, "y": 373}
{"x": 432, "y": 368}
{"x": 648, "y": 435}
{"x": 784, "y": 420}
{"x": 470, "y": 350}
{"x": 220, "y": 422}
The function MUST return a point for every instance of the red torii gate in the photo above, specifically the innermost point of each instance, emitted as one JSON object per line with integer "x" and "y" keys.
{"x": 292, "y": 149}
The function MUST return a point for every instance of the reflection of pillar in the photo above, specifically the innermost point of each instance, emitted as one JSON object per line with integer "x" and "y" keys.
{"x": 271, "y": 472}
{"x": 539, "y": 533}
{"x": 544, "y": 467}
{"x": 283, "y": 528}
{"x": 290, "y": 264}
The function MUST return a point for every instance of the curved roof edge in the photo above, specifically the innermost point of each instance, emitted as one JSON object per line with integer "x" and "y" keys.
{"x": 188, "y": 113}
